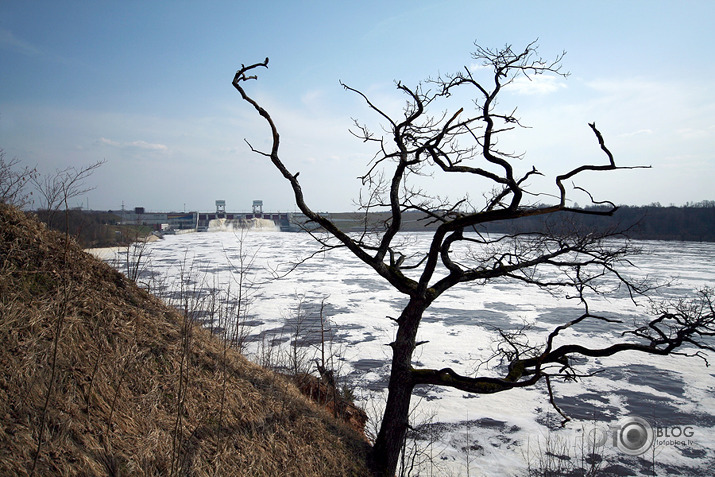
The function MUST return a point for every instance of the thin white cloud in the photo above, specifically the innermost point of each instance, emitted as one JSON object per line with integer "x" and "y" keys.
{"x": 479, "y": 66}
{"x": 147, "y": 146}
{"x": 310, "y": 98}
{"x": 108, "y": 142}
{"x": 537, "y": 84}
{"x": 636, "y": 133}
{"x": 133, "y": 145}
{"x": 9, "y": 41}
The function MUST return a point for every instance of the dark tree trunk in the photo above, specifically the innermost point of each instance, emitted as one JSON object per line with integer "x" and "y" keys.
{"x": 391, "y": 437}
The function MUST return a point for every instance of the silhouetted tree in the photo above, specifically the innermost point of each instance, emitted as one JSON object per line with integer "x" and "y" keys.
{"x": 457, "y": 140}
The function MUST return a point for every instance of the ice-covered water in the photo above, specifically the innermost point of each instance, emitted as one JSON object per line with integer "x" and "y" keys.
{"x": 487, "y": 434}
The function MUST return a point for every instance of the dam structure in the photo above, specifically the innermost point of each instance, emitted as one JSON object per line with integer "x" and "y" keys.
{"x": 254, "y": 219}
{"x": 182, "y": 222}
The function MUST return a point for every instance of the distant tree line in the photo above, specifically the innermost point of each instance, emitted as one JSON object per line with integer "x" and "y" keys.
{"x": 693, "y": 222}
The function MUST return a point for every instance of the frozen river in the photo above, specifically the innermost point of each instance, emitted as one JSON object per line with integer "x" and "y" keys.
{"x": 462, "y": 434}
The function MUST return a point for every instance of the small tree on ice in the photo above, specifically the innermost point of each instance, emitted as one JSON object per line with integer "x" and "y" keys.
{"x": 429, "y": 139}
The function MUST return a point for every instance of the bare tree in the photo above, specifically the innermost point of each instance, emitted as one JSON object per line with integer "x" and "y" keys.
{"x": 462, "y": 140}
{"x": 57, "y": 189}
{"x": 13, "y": 180}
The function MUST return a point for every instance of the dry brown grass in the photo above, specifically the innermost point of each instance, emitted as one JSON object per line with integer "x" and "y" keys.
{"x": 90, "y": 369}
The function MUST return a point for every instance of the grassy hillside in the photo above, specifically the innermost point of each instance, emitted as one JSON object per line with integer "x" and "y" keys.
{"x": 97, "y": 377}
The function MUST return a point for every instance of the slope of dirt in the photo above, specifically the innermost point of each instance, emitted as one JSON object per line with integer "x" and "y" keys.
{"x": 98, "y": 377}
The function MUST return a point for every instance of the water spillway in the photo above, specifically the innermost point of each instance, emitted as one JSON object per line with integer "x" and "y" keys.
{"x": 240, "y": 220}
{"x": 253, "y": 223}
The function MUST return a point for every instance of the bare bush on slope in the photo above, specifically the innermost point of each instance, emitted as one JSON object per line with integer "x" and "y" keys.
{"x": 99, "y": 377}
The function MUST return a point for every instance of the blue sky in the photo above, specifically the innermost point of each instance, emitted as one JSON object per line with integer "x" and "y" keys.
{"x": 146, "y": 86}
